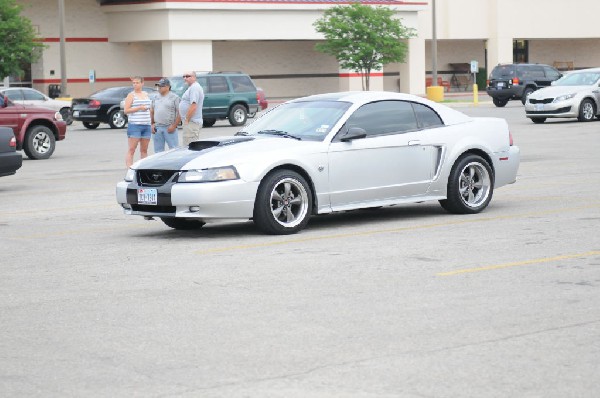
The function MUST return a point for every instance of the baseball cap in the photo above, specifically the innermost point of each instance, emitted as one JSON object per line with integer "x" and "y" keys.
{"x": 163, "y": 82}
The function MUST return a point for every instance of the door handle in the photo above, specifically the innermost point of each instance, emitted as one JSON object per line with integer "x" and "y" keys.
{"x": 414, "y": 142}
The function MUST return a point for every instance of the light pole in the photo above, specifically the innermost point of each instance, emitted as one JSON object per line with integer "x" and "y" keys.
{"x": 63, "y": 58}
{"x": 433, "y": 46}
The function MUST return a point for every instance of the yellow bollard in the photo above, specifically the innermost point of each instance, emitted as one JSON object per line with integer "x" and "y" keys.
{"x": 475, "y": 94}
{"x": 435, "y": 93}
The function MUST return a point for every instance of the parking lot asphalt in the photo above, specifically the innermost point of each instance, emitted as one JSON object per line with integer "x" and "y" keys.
{"x": 407, "y": 301}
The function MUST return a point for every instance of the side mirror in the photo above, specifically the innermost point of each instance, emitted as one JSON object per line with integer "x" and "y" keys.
{"x": 353, "y": 133}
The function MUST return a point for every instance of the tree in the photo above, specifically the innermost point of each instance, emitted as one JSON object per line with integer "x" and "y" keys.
{"x": 363, "y": 38}
{"x": 19, "y": 41}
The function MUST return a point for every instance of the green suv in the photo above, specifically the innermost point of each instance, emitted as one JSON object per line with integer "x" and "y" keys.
{"x": 227, "y": 95}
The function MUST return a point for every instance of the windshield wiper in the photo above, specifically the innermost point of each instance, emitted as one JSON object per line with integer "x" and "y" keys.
{"x": 242, "y": 133}
{"x": 280, "y": 133}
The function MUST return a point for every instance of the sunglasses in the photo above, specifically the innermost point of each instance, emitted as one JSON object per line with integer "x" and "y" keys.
{"x": 186, "y": 76}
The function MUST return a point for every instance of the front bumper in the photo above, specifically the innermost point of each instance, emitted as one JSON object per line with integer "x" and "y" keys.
{"x": 559, "y": 109}
{"x": 204, "y": 201}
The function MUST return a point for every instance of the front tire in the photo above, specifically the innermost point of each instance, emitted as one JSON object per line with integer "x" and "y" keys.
{"x": 117, "y": 119}
{"x": 91, "y": 126}
{"x": 470, "y": 186}
{"x": 587, "y": 111}
{"x": 238, "y": 115}
{"x": 283, "y": 203}
{"x": 182, "y": 224}
{"x": 526, "y": 93}
{"x": 538, "y": 120}
{"x": 208, "y": 122}
{"x": 500, "y": 102}
{"x": 39, "y": 142}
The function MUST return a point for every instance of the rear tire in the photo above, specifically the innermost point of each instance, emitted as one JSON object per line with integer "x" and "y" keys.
{"x": 67, "y": 115}
{"x": 500, "y": 102}
{"x": 470, "y": 186}
{"x": 39, "y": 142}
{"x": 91, "y": 126}
{"x": 183, "y": 224}
{"x": 238, "y": 115}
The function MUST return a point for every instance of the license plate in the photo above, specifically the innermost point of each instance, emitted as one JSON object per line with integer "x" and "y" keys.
{"x": 500, "y": 84}
{"x": 538, "y": 107}
{"x": 75, "y": 113}
{"x": 147, "y": 196}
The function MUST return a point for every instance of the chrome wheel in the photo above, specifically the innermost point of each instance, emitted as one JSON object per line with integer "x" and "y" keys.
{"x": 238, "y": 115}
{"x": 587, "y": 111}
{"x": 117, "y": 120}
{"x": 289, "y": 202}
{"x": 283, "y": 203}
{"x": 474, "y": 184}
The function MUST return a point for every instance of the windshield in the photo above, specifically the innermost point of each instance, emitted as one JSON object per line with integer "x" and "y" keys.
{"x": 308, "y": 120}
{"x": 503, "y": 72}
{"x": 579, "y": 79}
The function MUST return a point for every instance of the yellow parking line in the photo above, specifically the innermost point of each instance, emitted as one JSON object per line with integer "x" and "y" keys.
{"x": 519, "y": 263}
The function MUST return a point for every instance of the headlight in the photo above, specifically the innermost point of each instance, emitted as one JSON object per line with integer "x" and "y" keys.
{"x": 564, "y": 97}
{"x": 130, "y": 175}
{"x": 209, "y": 175}
{"x": 57, "y": 116}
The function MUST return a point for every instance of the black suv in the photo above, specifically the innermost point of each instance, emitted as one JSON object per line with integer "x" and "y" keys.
{"x": 517, "y": 81}
{"x": 227, "y": 95}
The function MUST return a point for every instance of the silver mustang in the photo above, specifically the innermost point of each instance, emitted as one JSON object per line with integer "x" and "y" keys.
{"x": 575, "y": 95}
{"x": 327, "y": 153}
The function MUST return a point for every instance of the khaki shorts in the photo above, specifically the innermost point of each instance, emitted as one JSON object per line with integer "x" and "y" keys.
{"x": 191, "y": 132}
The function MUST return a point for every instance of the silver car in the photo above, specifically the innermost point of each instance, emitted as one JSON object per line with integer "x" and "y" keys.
{"x": 575, "y": 95}
{"x": 30, "y": 96}
{"x": 326, "y": 153}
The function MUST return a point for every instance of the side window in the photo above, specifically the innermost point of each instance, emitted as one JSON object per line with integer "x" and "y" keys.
{"x": 241, "y": 84}
{"x": 14, "y": 95}
{"x": 426, "y": 116}
{"x": 202, "y": 82}
{"x": 33, "y": 95}
{"x": 552, "y": 74}
{"x": 536, "y": 72}
{"x": 217, "y": 84}
{"x": 384, "y": 117}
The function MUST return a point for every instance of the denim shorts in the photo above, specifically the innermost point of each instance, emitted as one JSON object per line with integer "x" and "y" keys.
{"x": 139, "y": 131}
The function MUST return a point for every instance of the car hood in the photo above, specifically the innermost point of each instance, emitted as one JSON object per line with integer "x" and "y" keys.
{"x": 41, "y": 110}
{"x": 556, "y": 91}
{"x": 228, "y": 150}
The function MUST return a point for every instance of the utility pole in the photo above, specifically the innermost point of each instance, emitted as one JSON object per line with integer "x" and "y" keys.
{"x": 63, "y": 58}
{"x": 433, "y": 46}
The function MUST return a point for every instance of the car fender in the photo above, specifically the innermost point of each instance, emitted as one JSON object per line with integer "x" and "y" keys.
{"x": 35, "y": 120}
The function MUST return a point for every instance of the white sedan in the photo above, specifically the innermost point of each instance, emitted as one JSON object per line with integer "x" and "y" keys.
{"x": 323, "y": 154}
{"x": 575, "y": 95}
{"x": 30, "y": 96}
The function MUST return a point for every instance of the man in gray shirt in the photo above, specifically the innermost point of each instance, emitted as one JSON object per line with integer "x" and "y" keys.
{"x": 164, "y": 114}
{"x": 190, "y": 108}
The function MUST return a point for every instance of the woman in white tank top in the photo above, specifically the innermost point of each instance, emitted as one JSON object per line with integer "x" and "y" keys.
{"x": 137, "y": 109}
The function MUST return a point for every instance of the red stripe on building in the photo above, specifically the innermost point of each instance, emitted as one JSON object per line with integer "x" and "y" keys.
{"x": 77, "y": 39}
{"x": 372, "y": 74}
{"x": 98, "y": 80}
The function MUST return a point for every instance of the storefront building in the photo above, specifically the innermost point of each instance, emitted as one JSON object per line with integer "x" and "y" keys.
{"x": 273, "y": 41}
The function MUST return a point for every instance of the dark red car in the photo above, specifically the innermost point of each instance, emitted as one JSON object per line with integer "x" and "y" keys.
{"x": 36, "y": 129}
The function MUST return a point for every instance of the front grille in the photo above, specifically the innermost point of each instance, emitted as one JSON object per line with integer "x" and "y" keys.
{"x": 560, "y": 110}
{"x": 154, "y": 178}
{"x": 154, "y": 209}
{"x": 541, "y": 101}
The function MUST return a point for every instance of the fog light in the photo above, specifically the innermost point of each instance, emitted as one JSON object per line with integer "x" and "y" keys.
{"x": 194, "y": 209}
{"x": 126, "y": 206}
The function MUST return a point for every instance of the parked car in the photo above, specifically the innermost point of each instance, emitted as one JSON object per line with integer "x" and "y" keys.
{"x": 104, "y": 107}
{"x": 227, "y": 95}
{"x": 262, "y": 101}
{"x": 30, "y": 96}
{"x": 327, "y": 153}
{"x": 575, "y": 95}
{"x": 517, "y": 81}
{"x": 10, "y": 159}
{"x": 36, "y": 129}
